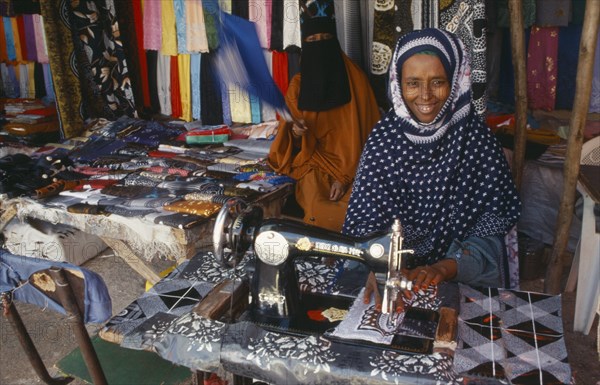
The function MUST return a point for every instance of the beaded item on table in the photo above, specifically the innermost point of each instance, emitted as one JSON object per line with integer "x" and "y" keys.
{"x": 205, "y": 209}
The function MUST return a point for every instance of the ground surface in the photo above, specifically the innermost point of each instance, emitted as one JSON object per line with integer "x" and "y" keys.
{"x": 54, "y": 339}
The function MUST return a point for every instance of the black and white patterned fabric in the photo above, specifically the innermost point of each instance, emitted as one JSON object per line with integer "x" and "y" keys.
{"x": 143, "y": 320}
{"x": 276, "y": 358}
{"x": 446, "y": 180}
{"x": 513, "y": 335}
{"x": 466, "y": 18}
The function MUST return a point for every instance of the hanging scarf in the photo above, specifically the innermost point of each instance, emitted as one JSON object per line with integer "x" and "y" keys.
{"x": 447, "y": 180}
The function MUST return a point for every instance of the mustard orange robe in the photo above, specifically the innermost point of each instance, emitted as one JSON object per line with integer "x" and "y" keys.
{"x": 329, "y": 150}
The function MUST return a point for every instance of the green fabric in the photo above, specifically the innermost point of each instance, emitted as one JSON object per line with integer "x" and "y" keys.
{"x": 125, "y": 366}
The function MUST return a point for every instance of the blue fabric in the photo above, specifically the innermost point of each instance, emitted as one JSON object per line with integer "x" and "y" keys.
{"x": 15, "y": 91}
{"x": 568, "y": 59}
{"x": 226, "y": 104}
{"x": 179, "y": 6}
{"x": 10, "y": 41}
{"x": 239, "y": 35}
{"x": 195, "y": 78}
{"x": 478, "y": 261}
{"x": 255, "y": 110}
{"x": 15, "y": 271}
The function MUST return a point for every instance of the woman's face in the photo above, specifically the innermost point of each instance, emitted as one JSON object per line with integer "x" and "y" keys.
{"x": 425, "y": 86}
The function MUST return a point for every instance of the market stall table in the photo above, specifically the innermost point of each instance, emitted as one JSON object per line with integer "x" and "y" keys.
{"x": 137, "y": 240}
{"x": 502, "y": 335}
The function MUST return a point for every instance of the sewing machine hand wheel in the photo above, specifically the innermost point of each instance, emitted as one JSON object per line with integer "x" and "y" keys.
{"x": 233, "y": 233}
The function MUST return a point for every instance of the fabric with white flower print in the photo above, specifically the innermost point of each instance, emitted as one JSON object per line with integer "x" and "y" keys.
{"x": 279, "y": 358}
{"x": 192, "y": 341}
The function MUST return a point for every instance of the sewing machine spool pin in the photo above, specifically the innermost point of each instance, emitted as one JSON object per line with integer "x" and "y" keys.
{"x": 396, "y": 282}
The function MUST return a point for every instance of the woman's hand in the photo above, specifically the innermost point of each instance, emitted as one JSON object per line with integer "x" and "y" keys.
{"x": 337, "y": 191}
{"x": 299, "y": 128}
{"x": 423, "y": 276}
{"x": 372, "y": 289}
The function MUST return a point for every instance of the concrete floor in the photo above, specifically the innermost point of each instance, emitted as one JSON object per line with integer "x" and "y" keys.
{"x": 54, "y": 339}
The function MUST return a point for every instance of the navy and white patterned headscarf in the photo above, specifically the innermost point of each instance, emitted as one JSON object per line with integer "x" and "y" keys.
{"x": 444, "y": 180}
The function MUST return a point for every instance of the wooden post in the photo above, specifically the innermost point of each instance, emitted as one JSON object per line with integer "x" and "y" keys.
{"x": 583, "y": 90}
{"x": 517, "y": 39}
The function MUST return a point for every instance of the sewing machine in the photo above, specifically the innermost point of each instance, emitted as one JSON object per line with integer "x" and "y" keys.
{"x": 276, "y": 299}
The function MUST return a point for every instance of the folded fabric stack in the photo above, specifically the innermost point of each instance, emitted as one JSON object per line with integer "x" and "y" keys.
{"x": 31, "y": 121}
{"x": 144, "y": 169}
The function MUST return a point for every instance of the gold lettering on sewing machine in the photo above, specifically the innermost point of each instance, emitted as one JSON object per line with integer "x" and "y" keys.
{"x": 337, "y": 249}
{"x": 304, "y": 244}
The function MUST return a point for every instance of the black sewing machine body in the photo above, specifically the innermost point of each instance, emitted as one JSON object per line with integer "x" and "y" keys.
{"x": 276, "y": 299}
{"x": 278, "y": 302}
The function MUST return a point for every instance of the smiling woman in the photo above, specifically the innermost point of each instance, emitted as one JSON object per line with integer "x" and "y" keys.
{"x": 432, "y": 163}
{"x": 425, "y": 86}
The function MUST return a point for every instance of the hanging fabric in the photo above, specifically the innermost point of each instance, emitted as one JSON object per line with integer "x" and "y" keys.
{"x": 180, "y": 25}
{"x": 168, "y": 32}
{"x": 211, "y": 109}
{"x": 467, "y": 19}
{"x": 3, "y": 42}
{"x": 60, "y": 50}
{"x": 175, "y": 88}
{"x": 101, "y": 61}
{"x": 29, "y": 33}
{"x": 257, "y": 13}
{"x": 132, "y": 39}
{"x": 163, "y": 80}
{"x": 40, "y": 38}
{"x": 349, "y": 29}
{"x": 16, "y": 39}
{"x": 542, "y": 72}
{"x": 195, "y": 84}
{"x": 553, "y": 13}
{"x": 528, "y": 11}
{"x": 152, "y": 25}
{"x": 277, "y": 21}
{"x": 152, "y": 64}
{"x": 40, "y": 85}
{"x": 392, "y": 19}
{"x": 9, "y": 37}
{"x": 196, "y": 40}
{"x": 240, "y": 8}
{"x": 183, "y": 61}
{"x": 291, "y": 24}
{"x": 280, "y": 71}
{"x": 22, "y": 40}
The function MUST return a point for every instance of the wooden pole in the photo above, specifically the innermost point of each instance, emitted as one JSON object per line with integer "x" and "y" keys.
{"x": 583, "y": 90}
{"x": 517, "y": 39}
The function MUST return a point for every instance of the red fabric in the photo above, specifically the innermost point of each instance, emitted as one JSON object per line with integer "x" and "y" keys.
{"x": 218, "y": 131}
{"x": 97, "y": 184}
{"x": 161, "y": 154}
{"x": 48, "y": 111}
{"x": 542, "y": 72}
{"x": 139, "y": 36}
{"x": 213, "y": 379}
{"x": 21, "y": 26}
{"x": 176, "y": 109}
{"x": 280, "y": 71}
{"x": 3, "y": 48}
{"x": 315, "y": 315}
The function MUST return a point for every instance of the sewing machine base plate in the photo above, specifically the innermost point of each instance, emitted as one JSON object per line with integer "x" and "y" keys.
{"x": 416, "y": 336}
